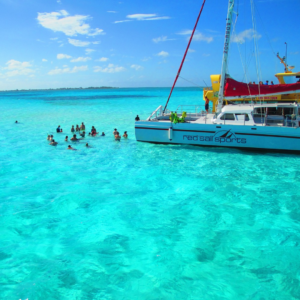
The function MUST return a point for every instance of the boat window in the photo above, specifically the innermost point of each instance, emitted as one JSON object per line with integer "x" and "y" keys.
{"x": 290, "y": 79}
{"x": 228, "y": 117}
{"x": 246, "y": 116}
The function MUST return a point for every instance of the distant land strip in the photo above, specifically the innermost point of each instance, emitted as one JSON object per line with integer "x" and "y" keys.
{"x": 62, "y": 89}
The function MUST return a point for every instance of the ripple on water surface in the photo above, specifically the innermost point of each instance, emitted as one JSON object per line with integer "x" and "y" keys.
{"x": 131, "y": 220}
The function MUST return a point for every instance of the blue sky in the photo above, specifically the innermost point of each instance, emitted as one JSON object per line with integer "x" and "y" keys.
{"x": 72, "y": 43}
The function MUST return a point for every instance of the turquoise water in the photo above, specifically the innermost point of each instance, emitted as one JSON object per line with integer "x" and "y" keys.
{"x": 133, "y": 220}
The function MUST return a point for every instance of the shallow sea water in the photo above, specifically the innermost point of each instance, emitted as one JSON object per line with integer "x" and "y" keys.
{"x": 134, "y": 220}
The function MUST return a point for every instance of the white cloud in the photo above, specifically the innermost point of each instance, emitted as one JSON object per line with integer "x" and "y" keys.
{"x": 146, "y": 17}
{"x": 161, "y": 39}
{"x": 96, "y": 43}
{"x": 54, "y": 39}
{"x": 136, "y": 67}
{"x": 44, "y": 60}
{"x": 78, "y": 43}
{"x": 102, "y": 59}
{"x": 80, "y": 59}
{"x": 112, "y": 11}
{"x": 111, "y": 68}
{"x": 163, "y": 54}
{"x": 247, "y": 34}
{"x": 122, "y": 21}
{"x": 142, "y": 17}
{"x": 89, "y": 51}
{"x": 16, "y": 68}
{"x": 63, "y": 56}
{"x": 146, "y": 58}
{"x": 69, "y": 25}
{"x": 198, "y": 36}
{"x": 191, "y": 50}
{"x": 67, "y": 70}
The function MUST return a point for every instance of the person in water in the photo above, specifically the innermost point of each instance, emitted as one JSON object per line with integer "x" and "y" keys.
{"x": 93, "y": 131}
{"x": 125, "y": 135}
{"x": 103, "y": 134}
{"x": 72, "y": 129}
{"x": 117, "y": 137}
{"x": 49, "y": 137}
{"x": 77, "y": 128}
{"x": 74, "y": 138}
{"x": 58, "y": 129}
{"x": 116, "y": 132}
{"x": 71, "y": 148}
{"x": 137, "y": 118}
{"x": 53, "y": 143}
{"x": 16, "y": 122}
{"x": 82, "y": 127}
{"x": 87, "y": 145}
{"x": 66, "y": 139}
{"x": 82, "y": 134}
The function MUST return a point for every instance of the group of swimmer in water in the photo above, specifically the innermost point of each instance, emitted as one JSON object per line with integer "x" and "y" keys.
{"x": 81, "y": 131}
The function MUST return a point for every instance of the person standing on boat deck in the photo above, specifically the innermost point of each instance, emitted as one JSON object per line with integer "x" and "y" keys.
{"x": 206, "y": 104}
{"x": 267, "y": 82}
{"x": 137, "y": 118}
{"x": 272, "y": 83}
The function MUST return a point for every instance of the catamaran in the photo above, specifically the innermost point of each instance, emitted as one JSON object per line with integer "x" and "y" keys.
{"x": 261, "y": 117}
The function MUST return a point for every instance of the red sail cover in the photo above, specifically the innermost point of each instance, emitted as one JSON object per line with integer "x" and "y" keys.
{"x": 238, "y": 89}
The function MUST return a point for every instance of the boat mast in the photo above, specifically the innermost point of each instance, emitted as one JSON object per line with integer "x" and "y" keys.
{"x": 186, "y": 51}
{"x": 225, "y": 54}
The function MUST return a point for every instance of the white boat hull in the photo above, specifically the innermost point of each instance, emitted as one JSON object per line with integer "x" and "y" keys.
{"x": 236, "y": 136}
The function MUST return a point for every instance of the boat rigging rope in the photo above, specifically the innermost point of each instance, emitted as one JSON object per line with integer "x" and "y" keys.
{"x": 192, "y": 82}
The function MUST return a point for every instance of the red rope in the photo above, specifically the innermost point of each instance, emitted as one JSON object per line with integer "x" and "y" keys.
{"x": 187, "y": 48}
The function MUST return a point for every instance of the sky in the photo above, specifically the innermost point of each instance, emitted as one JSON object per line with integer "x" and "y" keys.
{"x": 134, "y": 43}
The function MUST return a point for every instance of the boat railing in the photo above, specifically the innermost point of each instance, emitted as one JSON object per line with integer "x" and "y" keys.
{"x": 157, "y": 113}
{"x": 192, "y": 110}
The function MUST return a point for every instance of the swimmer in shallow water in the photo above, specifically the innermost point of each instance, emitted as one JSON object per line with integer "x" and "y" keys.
{"x": 49, "y": 137}
{"x": 117, "y": 137}
{"x": 16, "y": 122}
{"x": 87, "y": 145}
{"x": 82, "y": 127}
{"x": 82, "y": 134}
{"x": 53, "y": 143}
{"x": 103, "y": 134}
{"x": 74, "y": 138}
{"x": 71, "y": 148}
{"x": 77, "y": 128}
{"x": 72, "y": 129}
{"x": 66, "y": 139}
{"x": 125, "y": 135}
